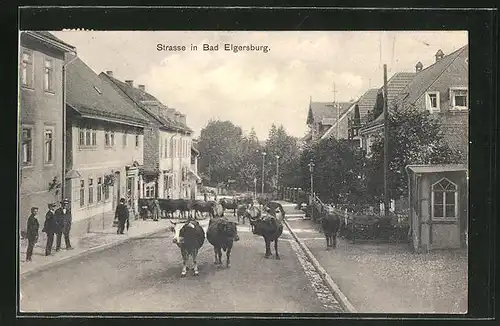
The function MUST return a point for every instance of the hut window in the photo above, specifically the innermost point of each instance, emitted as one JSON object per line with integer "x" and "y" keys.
{"x": 444, "y": 200}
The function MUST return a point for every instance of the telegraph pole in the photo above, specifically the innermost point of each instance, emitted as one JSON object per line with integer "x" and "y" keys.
{"x": 386, "y": 145}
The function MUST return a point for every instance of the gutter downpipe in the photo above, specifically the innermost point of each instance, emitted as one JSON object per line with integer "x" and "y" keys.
{"x": 63, "y": 181}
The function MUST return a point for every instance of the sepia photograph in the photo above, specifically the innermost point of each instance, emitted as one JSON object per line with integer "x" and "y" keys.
{"x": 243, "y": 171}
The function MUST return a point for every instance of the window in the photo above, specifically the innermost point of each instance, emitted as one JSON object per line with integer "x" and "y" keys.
{"x": 49, "y": 146}
{"x": 99, "y": 189}
{"x": 94, "y": 138}
{"x": 459, "y": 98}
{"x": 27, "y": 68}
{"x": 27, "y": 146}
{"x": 91, "y": 191}
{"x": 82, "y": 193}
{"x": 150, "y": 191}
{"x": 432, "y": 101}
{"x": 165, "y": 148}
{"x": 48, "y": 80}
{"x": 124, "y": 139}
{"x": 107, "y": 138}
{"x": 136, "y": 140}
{"x": 112, "y": 138}
{"x": 444, "y": 200}
{"x": 87, "y": 137}
{"x": 174, "y": 147}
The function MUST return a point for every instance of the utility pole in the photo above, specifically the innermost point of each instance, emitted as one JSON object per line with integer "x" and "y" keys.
{"x": 386, "y": 145}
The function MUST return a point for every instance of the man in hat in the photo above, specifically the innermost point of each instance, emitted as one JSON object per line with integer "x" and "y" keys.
{"x": 121, "y": 214}
{"x": 50, "y": 227}
{"x": 32, "y": 232}
{"x": 63, "y": 218}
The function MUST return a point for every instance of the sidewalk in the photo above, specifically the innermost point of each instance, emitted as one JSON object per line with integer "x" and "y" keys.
{"x": 389, "y": 278}
{"x": 91, "y": 242}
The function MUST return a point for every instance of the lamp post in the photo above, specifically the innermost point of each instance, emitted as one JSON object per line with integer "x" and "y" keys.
{"x": 277, "y": 175}
{"x": 263, "y": 161}
{"x": 311, "y": 170}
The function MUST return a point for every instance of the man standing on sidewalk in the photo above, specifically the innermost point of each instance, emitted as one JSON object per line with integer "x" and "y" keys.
{"x": 63, "y": 218}
{"x": 121, "y": 214}
{"x": 156, "y": 209}
{"x": 50, "y": 227}
{"x": 32, "y": 232}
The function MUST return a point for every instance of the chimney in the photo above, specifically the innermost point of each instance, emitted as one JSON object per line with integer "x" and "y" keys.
{"x": 182, "y": 118}
{"x": 130, "y": 82}
{"x": 439, "y": 55}
{"x": 142, "y": 88}
{"x": 419, "y": 66}
{"x": 109, "y": 73}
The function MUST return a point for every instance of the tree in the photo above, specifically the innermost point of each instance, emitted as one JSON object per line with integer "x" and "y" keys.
{"x": 219, "y": 145}
{"x": 337, "y": 172}
{"x": 414, "y": 138}
{"x": 285, "y": 146}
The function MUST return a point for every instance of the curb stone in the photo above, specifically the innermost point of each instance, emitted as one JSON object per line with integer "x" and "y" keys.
{"x": 338, "y": 294}
{"x": 85, "y": 252}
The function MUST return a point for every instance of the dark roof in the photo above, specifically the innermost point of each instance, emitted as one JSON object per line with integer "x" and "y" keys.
{"x": 395, "y": 86}
{"x": 430, "y": 168}
{"x": 327, "y": 110}
{"x": 147, "y": 102}
{"x": 89, "y": 95}
{"x": 367, "y": 101}
{"x": 49, "y": 36}
{"x": 425, "y": 78}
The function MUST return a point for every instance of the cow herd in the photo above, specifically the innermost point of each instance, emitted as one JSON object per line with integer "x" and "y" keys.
{"x": 265, "y": 221}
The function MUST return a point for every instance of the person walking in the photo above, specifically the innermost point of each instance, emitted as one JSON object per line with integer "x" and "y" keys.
{"x": 50, "y": 227}
{"x": 63, "y": 218}
{"x": 122, "y": 215}
{"x": 32, "y": 232}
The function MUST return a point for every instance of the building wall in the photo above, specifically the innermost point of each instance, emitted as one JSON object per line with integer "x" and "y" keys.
{"x": 94, "y": 162}
{"x": 150, "y": 149}
{"x": 39, "y": 110}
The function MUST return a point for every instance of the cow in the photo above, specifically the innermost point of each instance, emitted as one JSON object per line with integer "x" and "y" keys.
{"x": 229, "y": 204}
{"x": 222, "y": 233}
{"x": 242, "y": 212}
{"x": 272, "y": 207}
{"x": 270, "y": 227}
{"x": 200, "y": 206}
{"x": 330, "y": 222}
{"x": 189, "y": 237}
{"x": 218, "y": 210}
{"x": 173, "y": 205}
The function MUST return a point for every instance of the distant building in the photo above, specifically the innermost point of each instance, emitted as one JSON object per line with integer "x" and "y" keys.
{"x": 167, "y": 170}
{"x": 104, "y": 146}
{"x": 321, "y": 117}
{"x": 442, "y": 90}
{"x": 41, "y": 116}
{"x": 344, "y": 128}
{"x": 369, "y": 129}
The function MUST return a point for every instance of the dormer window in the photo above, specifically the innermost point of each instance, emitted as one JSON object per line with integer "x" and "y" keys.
{"x": 459, "y": 98}
{"x": 432, "y": 101}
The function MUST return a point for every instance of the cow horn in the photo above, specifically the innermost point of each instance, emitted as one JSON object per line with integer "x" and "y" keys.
{"x": 174, "y": 223}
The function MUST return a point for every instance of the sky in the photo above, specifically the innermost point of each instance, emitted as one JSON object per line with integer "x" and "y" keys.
{"x": 254, "y": 88}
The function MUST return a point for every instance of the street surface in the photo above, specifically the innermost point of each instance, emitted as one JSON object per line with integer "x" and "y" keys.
{"x": 143, "y": 275}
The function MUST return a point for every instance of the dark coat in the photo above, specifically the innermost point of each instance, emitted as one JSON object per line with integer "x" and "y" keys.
{"x": 63, "y": 221}
{"x": 50, "y": 225}
{"x": 121, "y": 212}
{"x": 32, "y": 228}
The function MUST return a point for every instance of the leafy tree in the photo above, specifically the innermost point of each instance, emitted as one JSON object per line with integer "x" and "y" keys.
{"x": 415, "y": 137}
{"x": 219, "y": 145}
{"x": 378, "y": 109}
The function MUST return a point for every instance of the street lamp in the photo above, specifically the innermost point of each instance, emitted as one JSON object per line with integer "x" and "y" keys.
{"x": 277, "y": 174}
{"x": 263, "y": 160}
{"x": 311, "y": 170}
